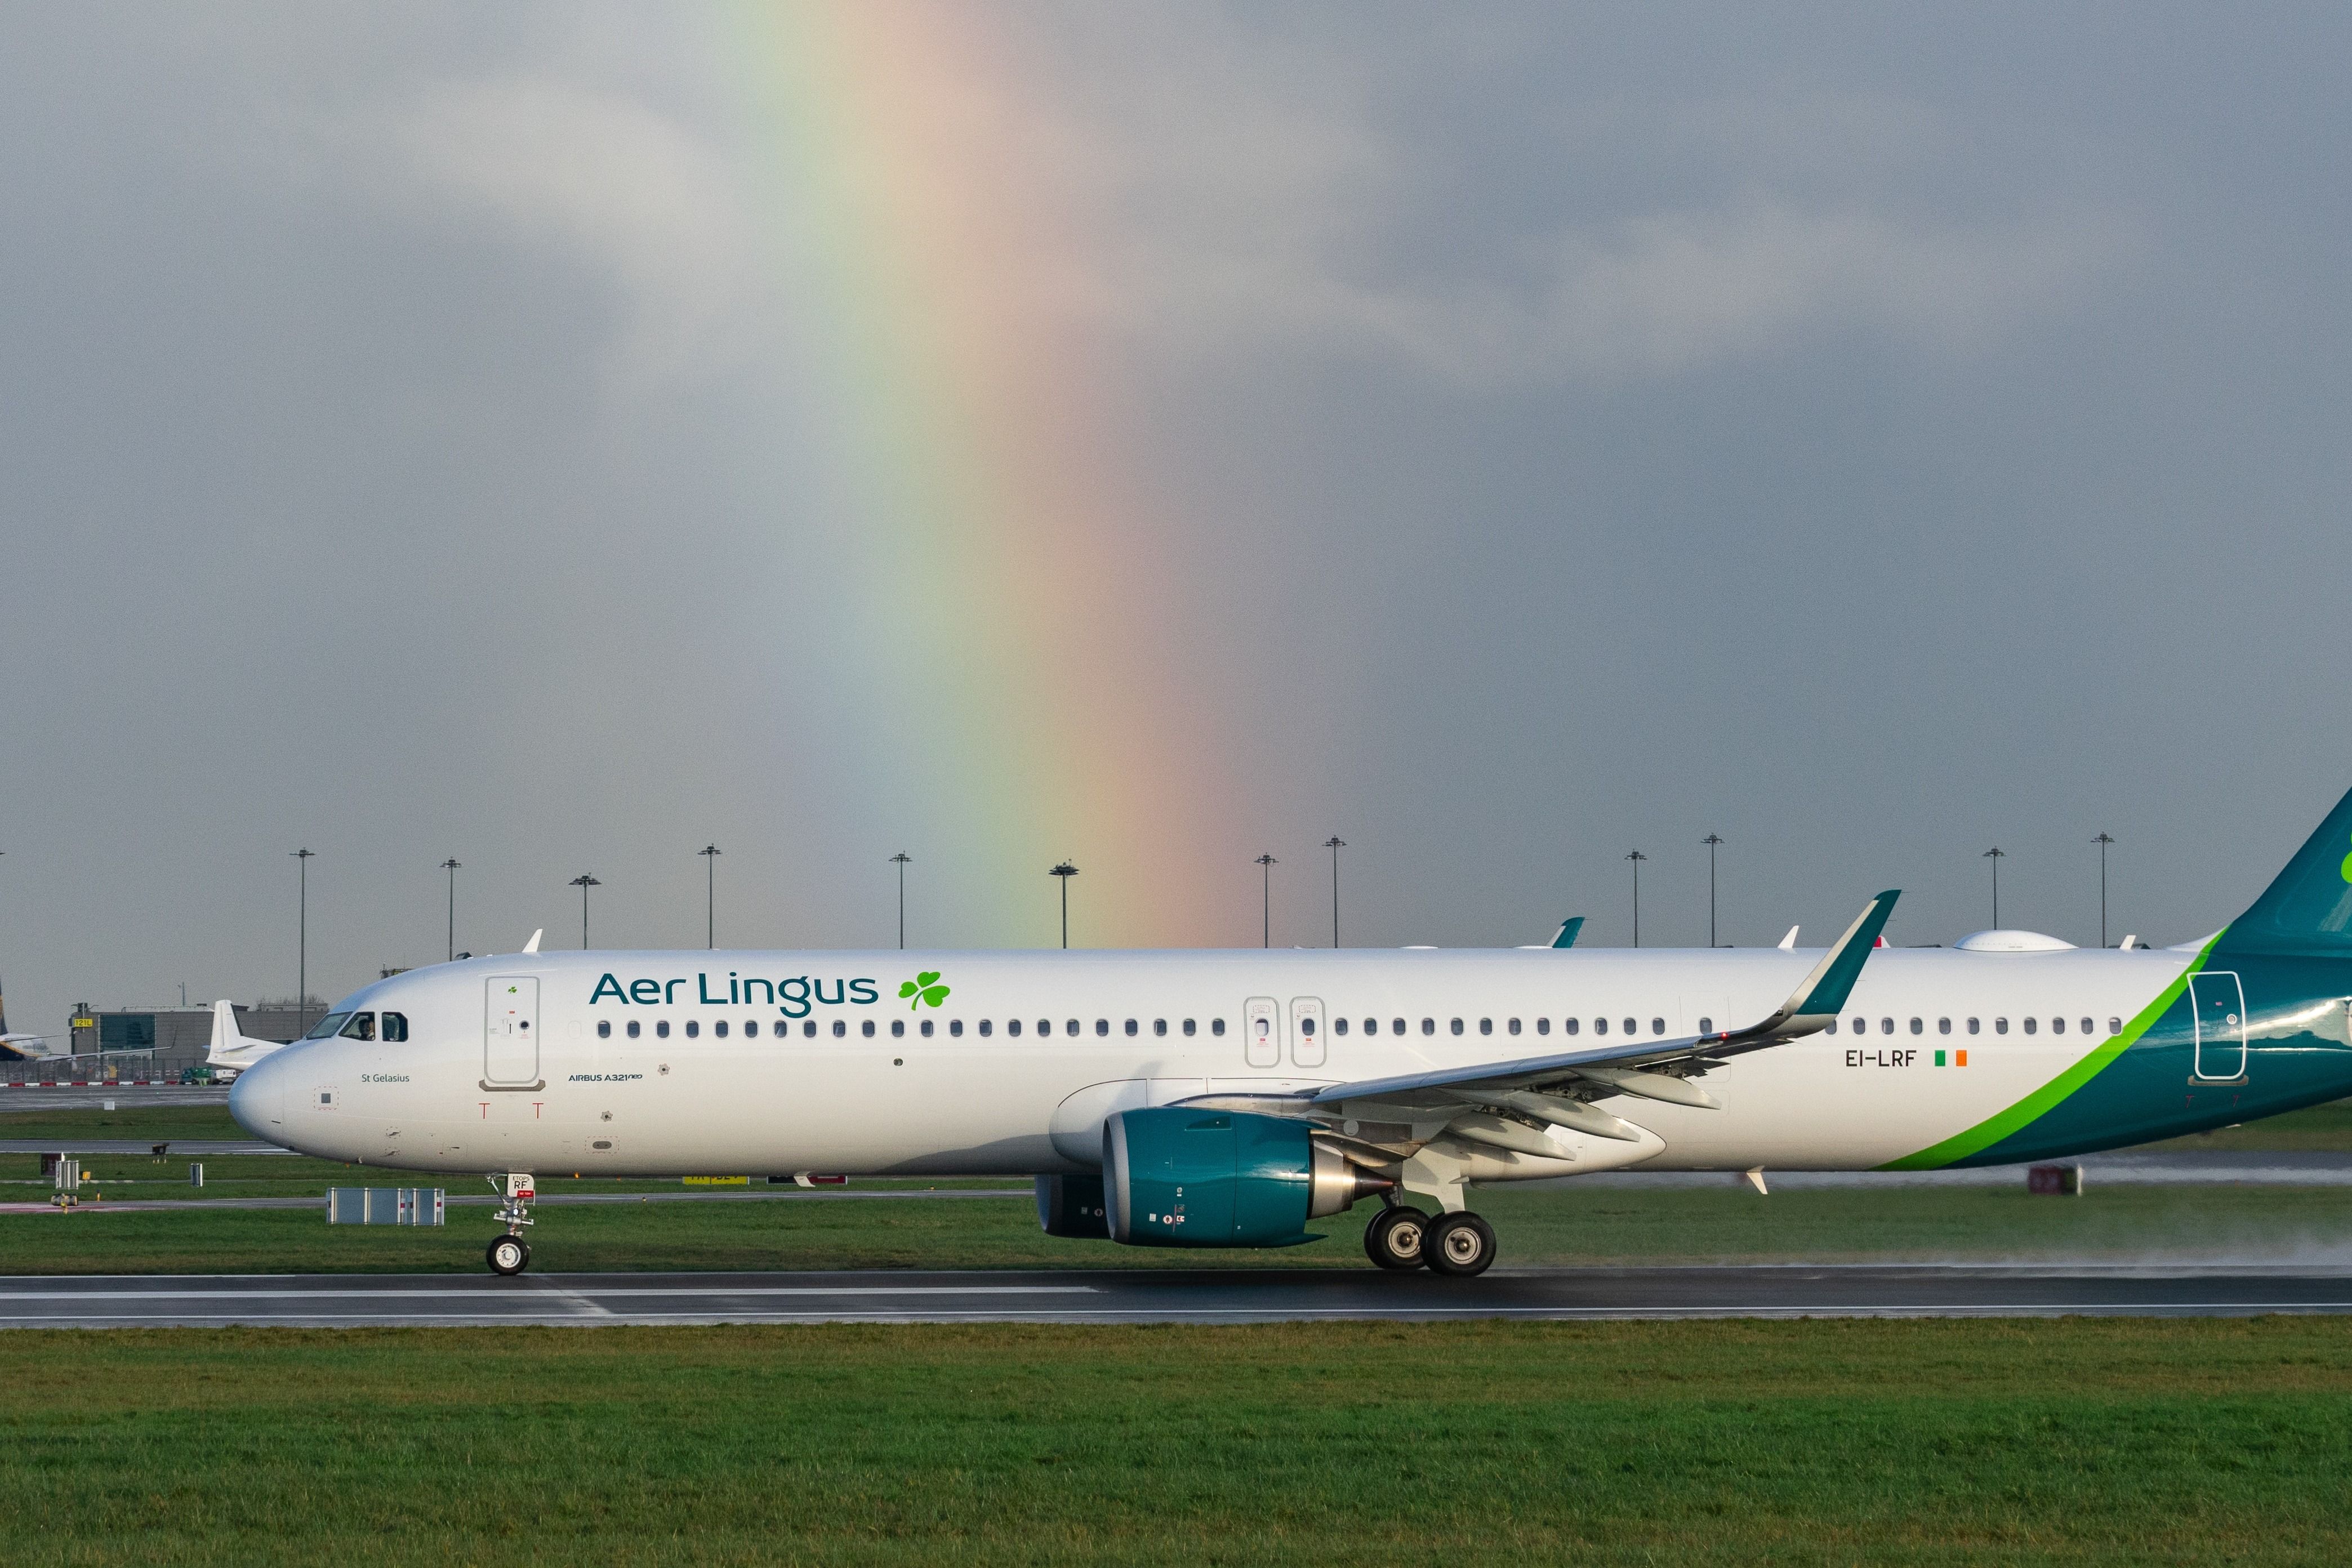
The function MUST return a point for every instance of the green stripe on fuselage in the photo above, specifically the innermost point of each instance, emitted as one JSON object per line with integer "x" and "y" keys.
{"x": 2050, "y": 1095}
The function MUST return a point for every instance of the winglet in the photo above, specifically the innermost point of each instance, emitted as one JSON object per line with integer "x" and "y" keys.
{"x": 533, "y": 945}
{"x": 1568, "y": 930}
{"x": 1822, "y": 995}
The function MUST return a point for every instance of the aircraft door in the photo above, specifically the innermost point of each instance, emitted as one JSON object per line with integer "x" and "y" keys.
{"x": 2218, "y": 1004}
{"x": 511, "y": 1029}
{"x": 1262, "y": 1032}
{"x": 1305, "y": 1032}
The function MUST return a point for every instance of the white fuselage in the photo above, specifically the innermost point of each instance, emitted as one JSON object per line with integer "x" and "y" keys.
{"x": 770, "y": 1063}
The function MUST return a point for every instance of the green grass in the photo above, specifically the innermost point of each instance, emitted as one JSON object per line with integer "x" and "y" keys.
{"x": 1567, "y": 1226}
{"x": 2058, "y": 1442}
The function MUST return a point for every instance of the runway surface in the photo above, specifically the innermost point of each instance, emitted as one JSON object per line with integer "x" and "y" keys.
{"x": 1172, "y": 1296}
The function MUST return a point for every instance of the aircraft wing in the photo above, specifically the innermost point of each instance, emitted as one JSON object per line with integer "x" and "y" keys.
{"x": 1654, "y": 1070}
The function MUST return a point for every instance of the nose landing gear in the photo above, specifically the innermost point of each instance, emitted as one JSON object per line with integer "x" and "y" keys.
{"x": 509, "y": 1254}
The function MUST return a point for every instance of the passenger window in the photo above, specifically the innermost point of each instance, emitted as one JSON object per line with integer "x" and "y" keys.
{"x": 1159, "y": 1026}
{"x": 1515, "y": 1026}
{"x": 1012, "y": 1027}
{"x": 1861, "y": 1026}
{"x": 1071, "y": 1029}
{"x": 2087, "y": 1025}
{"x": 988, "y": 1027}
{"x": 1338, "y": 1025}
{"x": 1216, "y": 1026}
{"x": 2057, "y": 1025}
{"x": 1486, "y": 1026}
{"x": 1599, "y": 1025}
{"x": 360, "y": 1027}
{"x": 2032, "y": 1024}
{"x": 395, "y": 1027}
{"x": 955, "y": 1028}
{"x": 1428, "y": 1025}
{"x": 1131, "y": 1028}
{"x": 719, "y": 1028}
{"x": 634, "y": 1027}
{"x": 751, "y": 1029}
{"x": 865, "y": 1028}
{"x": 2115, "y": 1026}
{"x": 661, "y": 1030}
{"x": 927, "y": 1028}
{"x": 808, "y": 1030}
{"x": 2000, "y": 1026}
{"x": 1397, "y": 1027}
{"x": 897, "y": 1029}
{"x": 1543, "y": 1025}
{"x": 1264, "y": 1028}
{"x": 1631, "y": 1028}
{"x": 1657, "y": 1026}
{"x": 1886, "y": 1026}
{"x": 1102, "y": 1026}
{"x": 1830, "y": 1028}
{"x": 1707, "y": 1025}
{"x": 1457, "y": 1025}
{"x": 693, "y": 1027}
{"x": 1188, "y": 1027}
{"x": 840, "y": 1027}
{"x": 1942, "y": 1026}
{"x": 1307, "y": 1027}
{"x": 1372, "y": 1026}
{"x": 1974, "y": 1027}
{"x": 1918, "y": 1026}
{"x": 603, "y": 1028}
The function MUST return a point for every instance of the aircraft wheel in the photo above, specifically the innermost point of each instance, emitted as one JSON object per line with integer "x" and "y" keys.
{"x": 507, "y": 1255}
{"x": 1460, "y": 1244}
{"x": 1395, "y": 1238}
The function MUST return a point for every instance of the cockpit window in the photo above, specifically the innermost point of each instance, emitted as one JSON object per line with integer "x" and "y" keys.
{"x": 360, "y": 1027}
{"x": 395, "y": 1027}
{"x": 328, "y": 1026}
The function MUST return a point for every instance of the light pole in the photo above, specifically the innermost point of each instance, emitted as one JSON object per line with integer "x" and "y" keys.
{"x": 1266, "y": 865}
{"x": 1996, "y": 856}
{"x": 1636, "y": 856}
{"x": 1335, "y": 844}
{"x": 2102, "y": 840}
{"x": 709, "y": 853}
{"x": 1062, "y": 873}
{"x": 584, "y": 882}
{"x": 451, "y": 865}
{"x": 302, "y": 857}
{"x": 1711, "y": 841}
{"x": 902, "y": 860}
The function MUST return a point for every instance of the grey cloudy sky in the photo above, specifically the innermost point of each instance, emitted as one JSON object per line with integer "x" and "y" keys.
{"x": 564, "y": 435}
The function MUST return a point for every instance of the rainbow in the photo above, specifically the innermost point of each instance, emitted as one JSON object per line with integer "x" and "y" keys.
{"x": 1016, "y": 608}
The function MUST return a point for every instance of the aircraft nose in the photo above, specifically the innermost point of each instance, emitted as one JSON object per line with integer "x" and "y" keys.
{"x": 258, "y": 1099}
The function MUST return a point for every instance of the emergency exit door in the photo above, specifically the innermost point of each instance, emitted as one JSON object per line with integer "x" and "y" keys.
{"x": 1262, "y": 1032}
{"x": 510, "y": 1030}
{"x": 2221, "y": 1011}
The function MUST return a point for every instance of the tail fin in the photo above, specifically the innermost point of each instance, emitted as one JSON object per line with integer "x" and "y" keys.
{"x": 230, "y": 1048}
{"x": 1568, "y": 930}
{"x": 2308, "y": 908}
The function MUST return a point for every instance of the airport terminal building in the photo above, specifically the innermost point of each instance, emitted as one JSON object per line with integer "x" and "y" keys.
{"x": 124, "y": 1043}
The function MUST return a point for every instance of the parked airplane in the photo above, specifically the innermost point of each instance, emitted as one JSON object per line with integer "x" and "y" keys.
{"x": 18, "y": 1047}
{"x": 1195, "y": 1099}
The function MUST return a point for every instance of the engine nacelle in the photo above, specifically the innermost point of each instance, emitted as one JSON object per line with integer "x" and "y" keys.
{"x": 1072, "y": 1205}
{"x": 1178, "y": 1177}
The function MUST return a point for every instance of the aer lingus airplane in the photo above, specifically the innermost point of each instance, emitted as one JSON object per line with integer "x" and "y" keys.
{"x": 1198, "y": 1099}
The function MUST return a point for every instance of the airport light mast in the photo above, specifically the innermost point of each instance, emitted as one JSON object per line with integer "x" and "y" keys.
{"x": 452, "y": 866}
{"x": 584, "y": 882}
{"x": 902, "y": 860}
{"x": 1636, "y": 856}
{"x": 1335, "y": 844}
{"x": 1062, "y": 873}
{"x": 1996, "y": 856}
{"x": 302, "y": 857}
{"x": 1712, "y": 841}
{"x": 1266, "y": 865}
{"x": 709, "y": 853}
{"x": 2102, "y": 840}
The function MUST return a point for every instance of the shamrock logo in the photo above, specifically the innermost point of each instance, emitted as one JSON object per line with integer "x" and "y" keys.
{"x": 926, "y": 990}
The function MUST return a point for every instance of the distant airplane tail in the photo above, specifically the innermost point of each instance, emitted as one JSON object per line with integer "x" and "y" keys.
{"x": 231, "y": 1047}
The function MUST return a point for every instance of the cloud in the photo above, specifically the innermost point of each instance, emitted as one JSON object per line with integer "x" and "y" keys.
{"x": 622, "y": 188}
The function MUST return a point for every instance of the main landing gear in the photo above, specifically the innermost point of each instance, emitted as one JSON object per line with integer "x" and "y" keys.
{"x": 509, "y": 1254}
{"x": 1402, "y": 1238}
